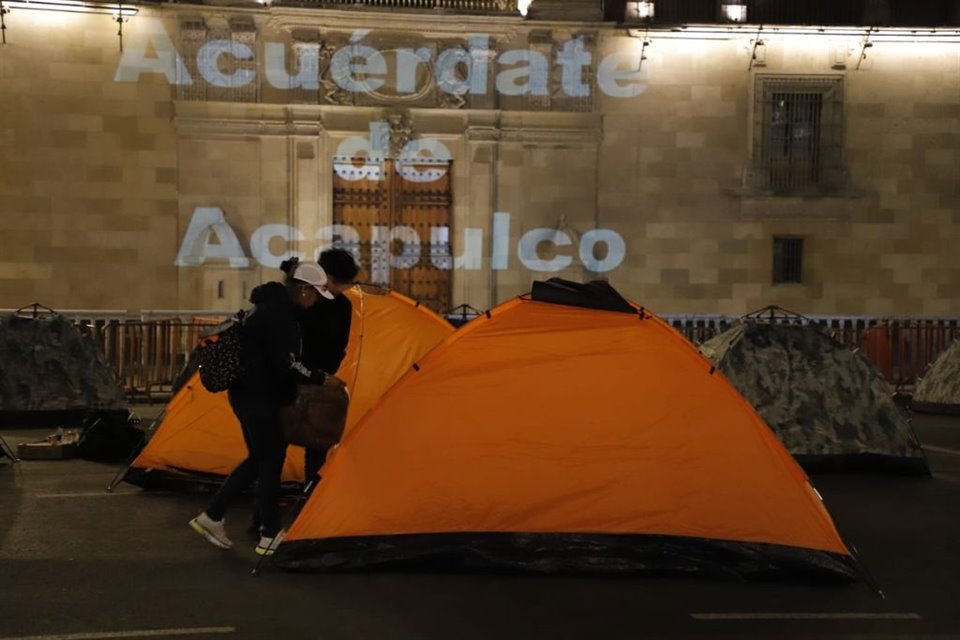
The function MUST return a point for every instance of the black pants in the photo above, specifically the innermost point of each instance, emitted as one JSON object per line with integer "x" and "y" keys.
{"x": 266, "y": 451}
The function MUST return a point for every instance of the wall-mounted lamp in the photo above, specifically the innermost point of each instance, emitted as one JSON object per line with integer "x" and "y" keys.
{"x": 523, "y": 6}
{"x": 72, "y": 6}
{"x": 758, "y": 56}
{"x": 3, "y": 25}
{"x": 119, "y": 18}
{"x": 640, "y": 11}
{"x": 643, "y": 52}
{"x": 733, "y": 11}
{"x": 866, "y": 44}
{"x": 120, "y": 11}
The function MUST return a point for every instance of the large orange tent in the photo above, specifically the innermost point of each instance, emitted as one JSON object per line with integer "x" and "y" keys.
{"x": 565, "y": 430}
{"x": 199, "y": 437}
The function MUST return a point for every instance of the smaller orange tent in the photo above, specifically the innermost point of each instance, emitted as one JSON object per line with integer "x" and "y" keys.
{"x": 199, "y": 438}
{"x": 565, "y": 431}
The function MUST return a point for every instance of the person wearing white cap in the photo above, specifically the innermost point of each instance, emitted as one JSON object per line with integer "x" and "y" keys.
{"x": 271, "y": 370}
{"x": 325, "y": 328}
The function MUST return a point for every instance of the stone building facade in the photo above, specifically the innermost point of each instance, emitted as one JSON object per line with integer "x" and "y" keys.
{"x": 464, "y": 154}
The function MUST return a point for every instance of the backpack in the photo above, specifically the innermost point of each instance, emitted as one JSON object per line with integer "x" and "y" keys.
{"x": 218, "y": 354}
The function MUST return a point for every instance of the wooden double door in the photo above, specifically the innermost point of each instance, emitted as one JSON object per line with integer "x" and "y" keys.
{"x": 395, "y": 215}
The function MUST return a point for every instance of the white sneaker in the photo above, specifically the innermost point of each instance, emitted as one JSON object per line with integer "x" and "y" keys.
{"x": 267, "y": 546}
{"x": 212, "y": 530}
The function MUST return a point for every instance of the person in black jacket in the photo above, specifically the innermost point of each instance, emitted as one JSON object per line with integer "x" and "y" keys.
{"x": 272, "y": 369}
{"x": 325, "y": 328}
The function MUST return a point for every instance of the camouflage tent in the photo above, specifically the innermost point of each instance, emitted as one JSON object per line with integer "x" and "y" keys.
{"x": 50, "y": 373}
{"x": 939, "y": 389}
{"x": 828, "y": 404}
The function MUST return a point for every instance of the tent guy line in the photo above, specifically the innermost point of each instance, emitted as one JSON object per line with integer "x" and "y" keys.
{"x": 132, "y": 633}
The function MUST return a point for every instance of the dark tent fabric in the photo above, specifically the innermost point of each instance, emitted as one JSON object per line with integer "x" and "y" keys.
{"x": 51, "y": 374}
{"x": 597, "y": 294}
{"x": 828, "y": 404}
{"x": 939, "y": 389}
{"x": 109, "y": 437}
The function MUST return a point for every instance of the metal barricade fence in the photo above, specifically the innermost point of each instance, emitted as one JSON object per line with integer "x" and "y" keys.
{"x": 146, "y": 355}
{"x": 902, "y": 349}
{"x": 149, "y": 353}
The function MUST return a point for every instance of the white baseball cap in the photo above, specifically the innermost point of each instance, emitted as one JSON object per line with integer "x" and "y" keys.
{"x": 313, "y": 274}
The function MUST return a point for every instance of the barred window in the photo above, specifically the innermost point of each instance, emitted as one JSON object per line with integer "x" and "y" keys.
{"x": 787, "y": 260}
{"x": 798, "y": 132}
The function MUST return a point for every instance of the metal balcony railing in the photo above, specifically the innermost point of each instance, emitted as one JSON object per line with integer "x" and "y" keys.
{"x": 453, "y": 6}
{"x": 845, "y": 13}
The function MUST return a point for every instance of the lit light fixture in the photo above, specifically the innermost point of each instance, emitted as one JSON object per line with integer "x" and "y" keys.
{"x": 121, "y": 12}
{"x": 70, "y": 6}
{"x": 878, "y": 35}
{"x": 640, "y": 11}
{"x": 3, "y": 25}
{"x": 523, "y": 6}
{"x": 733, "y": 12}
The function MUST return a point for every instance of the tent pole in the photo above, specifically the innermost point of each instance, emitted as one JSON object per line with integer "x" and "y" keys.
{"x": 874, "y": 586}
{"x": 8, "y": 450}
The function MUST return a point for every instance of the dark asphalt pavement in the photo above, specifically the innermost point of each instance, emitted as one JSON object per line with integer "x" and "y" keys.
{"x": 78, "y": 563}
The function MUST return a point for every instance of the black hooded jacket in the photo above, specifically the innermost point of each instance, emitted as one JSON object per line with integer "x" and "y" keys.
{"x": 326, "y": 331}
{"x": 270, "y": 341}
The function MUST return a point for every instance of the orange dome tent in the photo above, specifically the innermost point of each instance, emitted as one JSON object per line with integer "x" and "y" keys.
{"x": 199, "y": 438}
{"x": 565, "y": 430}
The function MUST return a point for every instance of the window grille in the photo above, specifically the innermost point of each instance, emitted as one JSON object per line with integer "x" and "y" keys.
{"x": 787, "y": 260}
{"x": 193, "y": 35}
{"x": 190, "y": 85}
{"x": 798, "y": 132}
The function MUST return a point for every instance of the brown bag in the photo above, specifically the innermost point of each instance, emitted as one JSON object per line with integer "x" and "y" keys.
{"x": 317, "y": 418}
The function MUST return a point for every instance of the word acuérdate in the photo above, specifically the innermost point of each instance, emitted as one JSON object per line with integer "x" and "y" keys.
{"x": 361, "y": 68}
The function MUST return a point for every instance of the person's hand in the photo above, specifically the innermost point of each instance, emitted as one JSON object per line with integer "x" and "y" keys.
{"x": 334, "y": 381}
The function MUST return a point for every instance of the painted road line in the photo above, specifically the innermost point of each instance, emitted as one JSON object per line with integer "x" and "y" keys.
{"x": 952, "y": 452}
{"x": 132, "y": 633}
{"x": 91, "y": 494}
{"x": 839, "y": 615}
